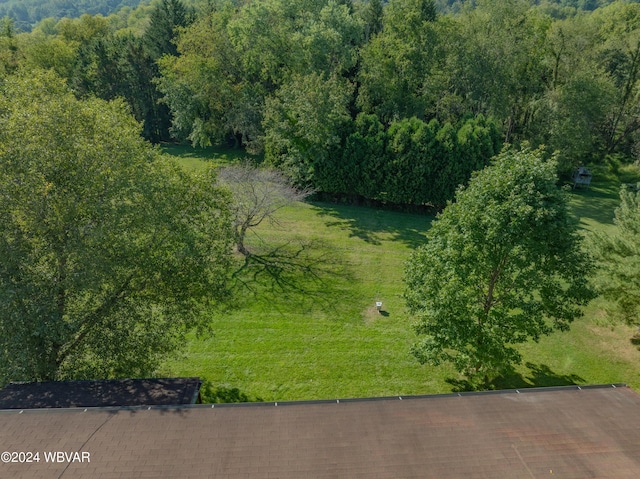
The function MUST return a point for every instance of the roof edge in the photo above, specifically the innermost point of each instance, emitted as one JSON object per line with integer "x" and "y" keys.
{"x": 318, "y": 401}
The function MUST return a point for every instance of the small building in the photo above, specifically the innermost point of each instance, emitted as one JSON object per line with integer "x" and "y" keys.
{"x": 101, "y": 393}
{"x": 581, "y": 177}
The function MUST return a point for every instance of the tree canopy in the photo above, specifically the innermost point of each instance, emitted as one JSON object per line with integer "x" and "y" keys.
{"x": 110, "y": 253}
{"x": 502, "y": 264}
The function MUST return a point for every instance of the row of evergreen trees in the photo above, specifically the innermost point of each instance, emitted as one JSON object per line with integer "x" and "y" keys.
{"x": 410, "y": 163}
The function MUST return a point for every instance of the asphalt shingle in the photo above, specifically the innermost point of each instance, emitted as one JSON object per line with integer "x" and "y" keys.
{"x": 556, "y": 432}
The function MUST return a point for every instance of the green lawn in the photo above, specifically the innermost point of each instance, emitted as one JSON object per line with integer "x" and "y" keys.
{"x": 196, "y": 157}
{"x": 326, "y": 340}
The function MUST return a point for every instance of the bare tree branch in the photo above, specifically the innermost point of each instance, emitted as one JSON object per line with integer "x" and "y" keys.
{"x": 257, "y": 194}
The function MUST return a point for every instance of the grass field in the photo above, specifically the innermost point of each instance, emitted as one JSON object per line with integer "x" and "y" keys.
{"x": 327, "y": 340}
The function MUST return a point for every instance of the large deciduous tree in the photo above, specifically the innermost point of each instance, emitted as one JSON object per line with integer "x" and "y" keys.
{"x": 304, "y": 124}
{"x": 502, "y": 265}
{"x": 207, "y": 89}
{"x": 108, "y": 252}
{"x": 395, "y": 78}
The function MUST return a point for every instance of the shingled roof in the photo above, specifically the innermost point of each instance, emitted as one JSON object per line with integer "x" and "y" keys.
{"x": 566, "y": 432}
{"x": 102, "y": 393}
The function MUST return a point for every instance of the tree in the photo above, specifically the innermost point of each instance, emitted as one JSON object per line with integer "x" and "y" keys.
{"x": 579, "y": 110}
{"x": 398, "y": 62}
{"x": 372, "y": 13}
{"x": 117, "y": 66}
{"x": 43, "y": 51}
{"x": 303, "y": 126}
{"x": 9, "y": 55}
{"x": 413, "y": 162}
{"x": 165, "y": 20}
{"x": 619, "y": 258}
{"x": 502, "y": 265}
{"x": 331, "y": 42}
{"x": 257, "y": 195}
{"x": 619, "y": 52}
{"x": 495, "y": 65}
{"x": 207, "y": 89}
{"x": 109, "y": 253}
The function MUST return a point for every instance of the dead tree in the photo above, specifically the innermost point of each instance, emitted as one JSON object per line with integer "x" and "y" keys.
{"x": 257, "y": 194}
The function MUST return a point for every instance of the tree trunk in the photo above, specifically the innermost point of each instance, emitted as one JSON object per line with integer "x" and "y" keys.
{"x": 240, "y": 234}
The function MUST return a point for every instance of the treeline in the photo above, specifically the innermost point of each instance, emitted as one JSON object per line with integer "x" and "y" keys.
{"x": 556, "y": 8}
{"x": 392, "y": 102}
{"x": 26, "y": 13}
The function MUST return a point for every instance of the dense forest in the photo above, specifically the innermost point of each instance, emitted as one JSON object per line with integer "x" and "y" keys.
{"x": 394, "y": 102}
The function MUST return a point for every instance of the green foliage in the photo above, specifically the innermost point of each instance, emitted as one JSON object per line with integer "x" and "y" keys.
{"x": 413, "y": 162}
{"x": 371, "y": 13}
{"x": 331, "y": 42}
{"x": 304, "y": 124}
{"x": 210, "y": 94}
{"x": 618, "y": 53}
{"x": 502, "y": 265}
{"x": 9, "y": 55}
{"x": 618, "y": 256}
{"x": 28, "y": 12}
{"x": 495, "y": 64}
{"x": 582, "y": 107}
{"x": 234, "y": 59}
{"x": 119, "y": 67}
{"x": 295, "y": 346}
{"x": 45, "y": 52}
{"x": 235, "y": 73}
{"x": 361, "y": 168}
{"x": 109, "y": 253}
{"x": 165, "y": 21}
{"x": 111, "y": 65}
{"x": 397, "y": 63}
{"x": 83, "y": 29}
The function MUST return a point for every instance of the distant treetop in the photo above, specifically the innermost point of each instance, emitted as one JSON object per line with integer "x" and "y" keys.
{"x": 26, "y": 13}
{"x": 453, "y": 6}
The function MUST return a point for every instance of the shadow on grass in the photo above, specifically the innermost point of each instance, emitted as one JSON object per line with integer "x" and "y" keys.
{"x": 597, "y": 203}
{"x": 301, "y": 271}
{"x": 373, "y": 225}
{"x": 224, "y": 395}
{"x": 215, "y": 154}
{"x": 540, "y": 375}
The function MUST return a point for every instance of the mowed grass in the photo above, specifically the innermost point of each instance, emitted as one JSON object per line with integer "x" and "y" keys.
{"x": 327, "y": 340}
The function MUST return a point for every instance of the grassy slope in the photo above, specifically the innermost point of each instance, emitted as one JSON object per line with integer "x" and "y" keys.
{"x": 331, "y": 342}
